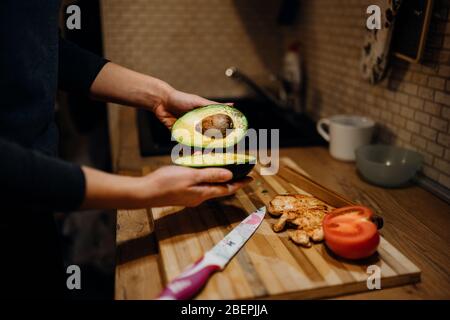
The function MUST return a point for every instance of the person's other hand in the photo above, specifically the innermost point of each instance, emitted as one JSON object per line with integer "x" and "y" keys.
{"x": 188, "y": 187}
{"x": 167, "y": 186}
{"x": 177, "y": 103}
{"x": 117, "y": 84}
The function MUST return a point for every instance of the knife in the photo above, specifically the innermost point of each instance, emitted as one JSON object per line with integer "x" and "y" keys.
{"x": 194, "y": 277}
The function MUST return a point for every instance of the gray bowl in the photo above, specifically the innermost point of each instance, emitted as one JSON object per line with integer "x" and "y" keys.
{"x": 387, "y": 166}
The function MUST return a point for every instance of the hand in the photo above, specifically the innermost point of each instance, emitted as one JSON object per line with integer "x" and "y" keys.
{"x": 117, "y": 84}
{"x": 188, "y": 187}
{"x": 166, "y": 186}
{"x": 177, "y": 103}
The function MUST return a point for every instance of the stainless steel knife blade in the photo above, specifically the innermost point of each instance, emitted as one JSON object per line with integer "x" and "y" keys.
{"x": 194, "y": 277}
{"x": 233, "y": 241}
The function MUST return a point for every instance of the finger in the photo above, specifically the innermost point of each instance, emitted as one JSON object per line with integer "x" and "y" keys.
{"x": 212, "y": 175}
{"x": 200, "y": 101}
{"x": 168, "y": 122}
{"x": 238, "y": 184}
{"x": 209, "y": 191}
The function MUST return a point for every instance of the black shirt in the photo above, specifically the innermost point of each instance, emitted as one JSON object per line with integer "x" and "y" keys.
{"x": 34, "y": 62}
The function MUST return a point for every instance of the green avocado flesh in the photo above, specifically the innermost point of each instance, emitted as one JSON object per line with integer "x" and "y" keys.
{"x": 212, "y": 126}
{"x": 239, "y": 164}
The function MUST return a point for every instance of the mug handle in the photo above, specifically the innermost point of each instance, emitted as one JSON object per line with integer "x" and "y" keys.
{"x": 321, "y": 129}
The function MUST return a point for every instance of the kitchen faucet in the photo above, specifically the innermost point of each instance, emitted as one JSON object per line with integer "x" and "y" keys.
{"x": 283, "y": 101}
{"x": 234, "y": 73}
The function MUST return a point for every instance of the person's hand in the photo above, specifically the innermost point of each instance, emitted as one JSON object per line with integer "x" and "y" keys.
{"x": 167, "y": 186}
{"x": 117, "y": 84}
{"x": 188, "y": 187}
{"x": 177, "y": 103}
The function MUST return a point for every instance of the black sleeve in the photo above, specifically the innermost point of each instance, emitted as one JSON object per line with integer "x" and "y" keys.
{"x": 31, "y": 180}
{"x": 77, "y": 67}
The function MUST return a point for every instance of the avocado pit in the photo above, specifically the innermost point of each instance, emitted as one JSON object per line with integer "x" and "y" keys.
{"x": 215, "y": 126}
{"x": 212, "y": 126}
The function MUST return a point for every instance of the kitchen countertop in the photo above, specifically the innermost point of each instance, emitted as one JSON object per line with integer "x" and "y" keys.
{"x": 416, "y": 222}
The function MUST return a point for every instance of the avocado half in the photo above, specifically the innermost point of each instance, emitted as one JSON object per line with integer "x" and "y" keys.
{"x": 239, "y": 164}
{"x": 212, "y": 126}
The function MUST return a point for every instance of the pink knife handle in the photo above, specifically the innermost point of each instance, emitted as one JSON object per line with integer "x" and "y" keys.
{"x": 190, "y": 281}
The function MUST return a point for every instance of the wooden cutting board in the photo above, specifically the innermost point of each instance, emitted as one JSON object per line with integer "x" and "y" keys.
{"x": 269, "y": 265}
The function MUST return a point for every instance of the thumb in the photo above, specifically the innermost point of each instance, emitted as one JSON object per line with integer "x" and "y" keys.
{"x": 200, "y": 101}
{"x": 213, "y": 175}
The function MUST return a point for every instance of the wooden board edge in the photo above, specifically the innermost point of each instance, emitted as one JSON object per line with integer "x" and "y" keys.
{"x": 346, "y": 289}
{"x": 287, "y": 172}
{"x": 321, "y": 292}
{"x": 294, "y": 166}
{"x": 336, "y": 200}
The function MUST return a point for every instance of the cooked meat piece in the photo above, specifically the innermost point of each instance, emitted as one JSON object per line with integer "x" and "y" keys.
{"x": 316, "y": 234}
{"x": 306, "y": 213}
{"x": 300, "y": 237}
{"x": 283, "y": 203}
{"x": 285, "y": 217}
{"x": 294, "y": 202}
{"x": 310, "y": 219}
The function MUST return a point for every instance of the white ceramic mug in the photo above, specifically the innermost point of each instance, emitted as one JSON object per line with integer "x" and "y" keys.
{"x": 346, "y": 133}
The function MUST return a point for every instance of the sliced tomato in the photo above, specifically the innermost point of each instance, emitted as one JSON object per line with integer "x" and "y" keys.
{"x": 350, "y": 233}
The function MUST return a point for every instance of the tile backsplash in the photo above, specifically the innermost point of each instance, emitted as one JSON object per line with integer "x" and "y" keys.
{"x": 191, "y": 43}
{"x": 411, "y": 105}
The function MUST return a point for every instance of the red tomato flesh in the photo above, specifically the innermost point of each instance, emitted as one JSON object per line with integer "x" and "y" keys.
{"x": 350, "y": 233}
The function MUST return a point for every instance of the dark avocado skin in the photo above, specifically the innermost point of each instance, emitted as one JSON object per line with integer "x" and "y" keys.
{"x": 239, "y": 171}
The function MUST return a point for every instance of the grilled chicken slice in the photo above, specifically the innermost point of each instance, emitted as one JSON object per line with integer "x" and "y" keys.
{"x": 316, "y": 234}
{"x": 292, "y": 202}
{"x": 281, "y": 223}
{"x": 282, "y": 204}
{"x": 304, "y": 212}
{"x": 300, "y": 237}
